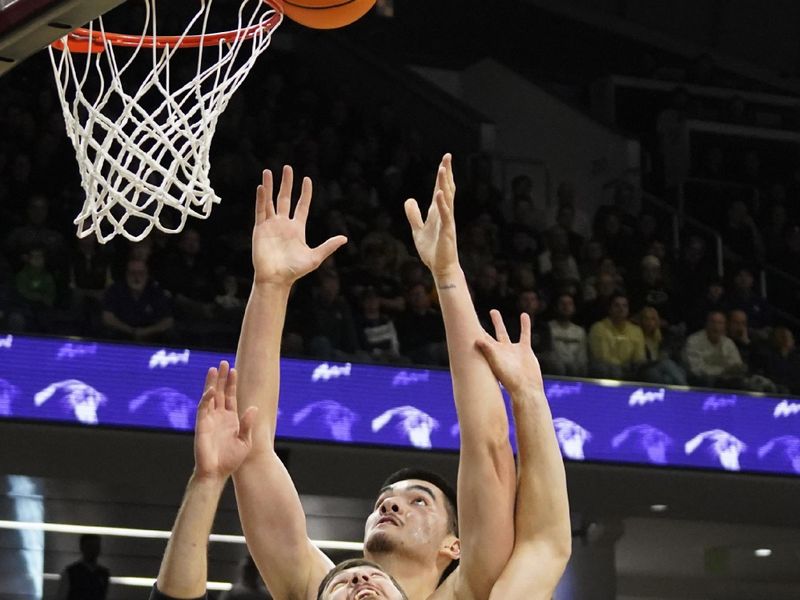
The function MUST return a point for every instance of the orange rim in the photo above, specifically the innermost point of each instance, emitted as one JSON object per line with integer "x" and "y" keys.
{"x": 84, "y": 41}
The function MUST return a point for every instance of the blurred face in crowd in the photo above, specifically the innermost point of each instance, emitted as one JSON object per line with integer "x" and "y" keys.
{"x": 329, "y": 287}
{"x": 37, "y": 210}
{"x": 715, "y": 326}
{"x": 737, "y": 325}
{"x": 565, "y": 308}
{"x": 743, "y": 280}
{"x": 618, "y": 309}
{"x": 651, "y": 270}
{"x": 649, "y": 320}
{"x": 418, "y": 299}
{"x": 36, "y": 259}
{"x": 528, "y": 302}
{"x": 715, "y": 291}
{"x": 136, "y": 275}
{"x": 566, "y": 216}
{"x": 695, "y": 250}
{"x": 783, "y": 339}
{"x": 605, "y": 285}
{"x": 190, "y": 242}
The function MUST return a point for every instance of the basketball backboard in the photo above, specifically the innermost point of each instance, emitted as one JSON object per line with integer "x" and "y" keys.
{"x": 27, "y": 26}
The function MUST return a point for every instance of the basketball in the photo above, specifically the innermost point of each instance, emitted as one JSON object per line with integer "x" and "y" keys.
{"x": 326, "y": 14}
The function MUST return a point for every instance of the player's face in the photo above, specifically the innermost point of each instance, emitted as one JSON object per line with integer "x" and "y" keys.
{"x": 408, "y": 515}
{"x": 361, "y": 583}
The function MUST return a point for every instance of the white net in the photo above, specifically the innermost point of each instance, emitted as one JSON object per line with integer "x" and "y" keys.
{"x": 142, "y": 127}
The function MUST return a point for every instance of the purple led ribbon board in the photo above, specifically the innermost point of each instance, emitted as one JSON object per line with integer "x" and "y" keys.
{"x": 96, "y": 384}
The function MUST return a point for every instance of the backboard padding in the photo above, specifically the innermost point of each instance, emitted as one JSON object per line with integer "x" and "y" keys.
{"x": 27, "y": 26}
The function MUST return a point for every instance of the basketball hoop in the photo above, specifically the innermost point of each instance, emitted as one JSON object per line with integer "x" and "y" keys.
{"x": 143, "y": 147}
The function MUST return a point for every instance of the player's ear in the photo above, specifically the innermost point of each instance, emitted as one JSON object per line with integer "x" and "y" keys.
{"x": 451, "y": 547}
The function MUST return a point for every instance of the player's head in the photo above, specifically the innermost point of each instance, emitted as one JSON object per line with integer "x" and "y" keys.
{"x": 415, "y": 514}
{"x": 359, "y": 578}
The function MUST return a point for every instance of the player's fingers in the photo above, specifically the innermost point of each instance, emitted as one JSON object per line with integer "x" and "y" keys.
{"x": 413, "y": 215}
{"x": 499, "y": 327}
{"x": 444, "y": 209}
{"x": 525, "y": 329}
{"x": 264, "y": 206}
{"x": 285, "y": 193}
{"x": 207, "y": 399}
{"x": 448, "y": 165}
{"x": 328, "y": 247}
{"x": 222, "y": 381}
{"x": 304, "y": 203}
{"x": 230, "y": 390}
{"x": 246, "y": 424}
{"x": 211, "y": 379}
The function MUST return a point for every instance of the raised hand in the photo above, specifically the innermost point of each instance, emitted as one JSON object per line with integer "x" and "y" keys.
{"x": 280, "y": 253}
{"x": 435, "y": 237}
{"x": 221, "y": 440}
{"x": 514, "y": 364}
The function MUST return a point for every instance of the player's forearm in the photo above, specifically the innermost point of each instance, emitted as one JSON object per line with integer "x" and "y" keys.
{"x": 258, "y": 357}
{"x": 481, "y": 413}
{"x": 184, "y": 571}
{"x": 542, "y": 507}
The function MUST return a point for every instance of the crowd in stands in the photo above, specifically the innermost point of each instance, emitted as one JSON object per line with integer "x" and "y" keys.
{"x": 606, "y": 296}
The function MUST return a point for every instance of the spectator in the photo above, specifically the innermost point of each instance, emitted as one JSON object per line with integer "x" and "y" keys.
{"x": 744, "y": 297}
{"x": 565, "y": 220}
{"x": 782, "y": 361}
{"x": 740, "y": 233}
{"x": 713, "y": 300}
{"x": 35, "y": 232}
{"x": 568, "y": 340}
{"x": 489, "y": 290}
{"x": 420, "y": 328}
{"x": 695, "y": 272}
{"x": 376, "y": 331}
{"x": 616, "y": 240}
{"x": 137, "y": 308}
{"x": 712, "y": 357}
{"x": 375, "y": 271}
{"x": 90, "y": 275}
{"x": 330, "y": 329}
{"x": 556, "y": 263}
{"x": 739, "y": 332}
{"x": 249, "y": 585}
{"x": 616, "y": 345}
{"x": 650, "y": 290}
{"x": 597, "y": 308}
{"x": 659, "y": 366}
{"x": 34, "y": 282}
{"x": 85, "y": 579}
{"x": 187, "y": 276}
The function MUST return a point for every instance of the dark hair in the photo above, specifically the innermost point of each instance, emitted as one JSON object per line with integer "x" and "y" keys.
{"x": 350, "y": 564}
{"x": 451, "y": 503}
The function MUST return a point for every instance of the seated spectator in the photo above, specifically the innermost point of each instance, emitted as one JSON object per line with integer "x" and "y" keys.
{"x": 556, "y": 263}
{"x": 565, "y": 220}
{"x": 616, "y": 346}
{"x": 329, "y": 325}
{"x": 740, "y": 233}
{"x": 187, "y": 275}
{"x": 596, "y": 309}
{"x": 376, "y": 331}
{"x": 35, "y": 232}
{"x": 650, "y": 290}
{"x": 713, "y": 300}
{"x": 744, "y": 297}
{"x": 659, "y": 366}
{"x": 420, "y": 328}
{"x": 489, "y": 290}
{"x": 36, "y": 286}
{"x": 373, "y": 270}
{"x": 616, "y": 239}
{"x": 90, "y": 275}
{"x": 568, "y": 340}
{"x": 695, "y": 272}
{"x": 137, "y": 308}
{"x": 739, "y": 332}
{"x": 782, "y": 360}
{"x": 712, "y": 357}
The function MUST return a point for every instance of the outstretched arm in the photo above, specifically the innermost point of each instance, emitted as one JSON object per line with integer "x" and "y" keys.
{"x": 486, "y": 479}
{"x": 543, "y": 534}
{"x": 269, "y": 507}
{"x": 221, "y": 443}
